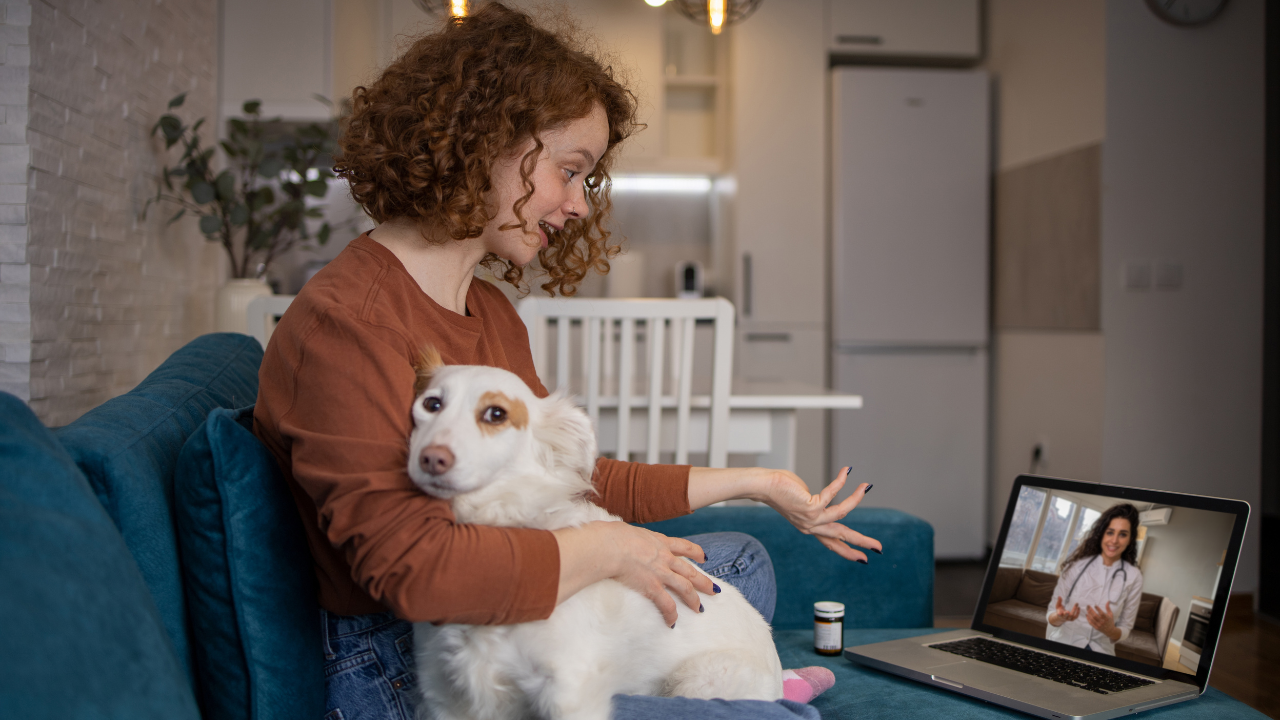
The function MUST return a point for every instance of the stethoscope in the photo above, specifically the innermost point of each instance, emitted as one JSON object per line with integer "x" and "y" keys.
{"x": 1110, "y": 584}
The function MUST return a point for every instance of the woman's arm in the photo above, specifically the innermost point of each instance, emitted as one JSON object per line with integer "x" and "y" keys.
{"x": 787, "y": 493}
{"x": 645, "y": 561}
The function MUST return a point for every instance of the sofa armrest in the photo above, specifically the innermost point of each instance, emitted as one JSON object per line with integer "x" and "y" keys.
{"x": 894, "y": 590}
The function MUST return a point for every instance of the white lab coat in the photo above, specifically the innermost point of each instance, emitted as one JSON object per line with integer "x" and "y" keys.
{"x": 1096, "y": 584}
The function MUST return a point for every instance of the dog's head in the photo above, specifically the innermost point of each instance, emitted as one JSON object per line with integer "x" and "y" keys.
{"x": 480, "y": 431}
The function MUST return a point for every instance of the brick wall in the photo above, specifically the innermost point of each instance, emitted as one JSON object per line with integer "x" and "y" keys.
{"x": 15, "y": 273}
{"x": 110, "y": 294}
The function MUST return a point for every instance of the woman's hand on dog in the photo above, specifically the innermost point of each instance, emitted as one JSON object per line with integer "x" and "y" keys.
{"x": 650, "y": 563}
{"x": 785, "y": 492}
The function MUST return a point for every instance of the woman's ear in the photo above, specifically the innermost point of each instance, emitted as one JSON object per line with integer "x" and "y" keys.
{"x": 426, "y": 365}
{"x": 565, "y": 437}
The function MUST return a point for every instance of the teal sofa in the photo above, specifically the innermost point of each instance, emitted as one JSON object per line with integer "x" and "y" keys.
{"x": 152, "y": 566}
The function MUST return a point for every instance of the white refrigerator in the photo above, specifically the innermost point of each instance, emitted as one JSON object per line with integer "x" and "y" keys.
{"x": 911, "y": 176}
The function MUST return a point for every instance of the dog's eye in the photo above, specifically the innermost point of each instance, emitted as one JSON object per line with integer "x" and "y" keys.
{"x": 494, "y": 415}
{"x": 432, "y": 404}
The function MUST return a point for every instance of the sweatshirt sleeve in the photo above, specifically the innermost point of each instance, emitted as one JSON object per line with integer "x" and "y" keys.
{"x": 640, "y": 493}
{"x": 349, "y": 421}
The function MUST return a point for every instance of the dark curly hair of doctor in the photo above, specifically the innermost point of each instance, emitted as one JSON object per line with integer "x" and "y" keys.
{"x": 422, "y": 140}
{"x": 1092, "y": 545}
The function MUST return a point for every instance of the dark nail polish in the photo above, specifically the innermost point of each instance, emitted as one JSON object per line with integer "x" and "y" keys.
{"x": 715, "y": 587}
{"x": 876, "y": 551}
{"x": 864, "y": 492}
{"x": 700, "y": 608}
{"x": 673, "y": 626}
{"x": 864, "y": 562}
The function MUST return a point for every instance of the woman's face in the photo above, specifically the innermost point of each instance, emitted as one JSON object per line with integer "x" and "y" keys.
{"x": 569, "y": 154}
{"x": 1116, "y": 539}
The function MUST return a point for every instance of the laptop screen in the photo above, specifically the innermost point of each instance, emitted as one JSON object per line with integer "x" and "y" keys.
{"x": 1115, "y": 575}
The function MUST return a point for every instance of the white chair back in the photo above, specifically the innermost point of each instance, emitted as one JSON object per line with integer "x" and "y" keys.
{"x": 262, "y": 313}
{"x": 606, "y": 374}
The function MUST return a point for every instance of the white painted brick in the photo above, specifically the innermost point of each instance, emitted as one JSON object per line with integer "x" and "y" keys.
{"x": 17, "y": 13}
{"x": 17, "y": 353}
{"x": 22, "y": 388}
{"x": 18, "y": 332}
{"x": 17, "y": 55}
{"x": 13, "y": 252}
{"x": 14, "y": 372}
{"x": 15, "y": 273}
{"x": 13, "y": 214}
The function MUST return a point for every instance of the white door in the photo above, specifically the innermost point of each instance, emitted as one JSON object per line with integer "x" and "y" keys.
{"x": 920, "y": 438}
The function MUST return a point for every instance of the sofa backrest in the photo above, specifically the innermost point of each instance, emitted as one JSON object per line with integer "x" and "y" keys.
{"x": 1005, "y": 585}
{"x": 128, "y": 448}
{"x": 1037, "y": 587}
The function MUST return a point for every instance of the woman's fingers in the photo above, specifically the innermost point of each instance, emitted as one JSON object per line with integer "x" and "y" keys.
{"x": 841, "y": 549}
{"x": 847, "y": 534}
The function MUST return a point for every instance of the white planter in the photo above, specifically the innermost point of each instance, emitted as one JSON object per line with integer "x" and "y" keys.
{"x": 233, "y": 303}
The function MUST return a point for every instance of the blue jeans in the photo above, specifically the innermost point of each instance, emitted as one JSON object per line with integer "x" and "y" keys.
{"x": 369, "y": 671}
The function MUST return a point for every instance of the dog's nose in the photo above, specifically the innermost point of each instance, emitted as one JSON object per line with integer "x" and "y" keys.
{"x": 435, "y": 459}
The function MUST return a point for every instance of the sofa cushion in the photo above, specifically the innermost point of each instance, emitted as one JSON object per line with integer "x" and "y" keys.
{"x": 1147, "y": 608}
{"x": 82, "y": 637}
{"x": 893, "y": 590}
{"x": 1036, "y": 588}
{"x": 128, "y": 447}
{"x": 1017, "y": 616}
{"x": 1005, "y": 584}
{"x": 248, "y": 574}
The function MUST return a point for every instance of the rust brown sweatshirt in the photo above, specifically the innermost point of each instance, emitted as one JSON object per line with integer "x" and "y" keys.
{"x": 334, "y": 398}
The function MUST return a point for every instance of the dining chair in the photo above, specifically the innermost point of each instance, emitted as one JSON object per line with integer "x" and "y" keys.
{"x": 261, "y": 314}
{"x": 625, "y": 354}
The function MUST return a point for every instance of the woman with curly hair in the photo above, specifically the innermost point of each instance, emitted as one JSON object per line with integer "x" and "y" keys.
{"x": 489, "y": 143}
{"x": 1101, "y": 576}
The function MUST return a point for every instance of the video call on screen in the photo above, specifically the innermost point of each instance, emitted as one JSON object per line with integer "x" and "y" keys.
{"x": 1067, "y": 553}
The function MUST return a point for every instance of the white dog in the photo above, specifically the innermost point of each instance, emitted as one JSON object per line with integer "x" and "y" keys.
{"x": 508, "y": 458}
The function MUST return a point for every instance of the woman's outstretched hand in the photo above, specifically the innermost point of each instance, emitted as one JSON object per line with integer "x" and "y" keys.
{"x": 815, "y": 515}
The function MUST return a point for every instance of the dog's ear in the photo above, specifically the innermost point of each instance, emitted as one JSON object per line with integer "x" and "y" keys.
{"x": 565, "y": 437}
{"x": 426, "y": 365}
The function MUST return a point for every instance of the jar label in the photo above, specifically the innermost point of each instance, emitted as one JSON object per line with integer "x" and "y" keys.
{"x": 828, "y": 636}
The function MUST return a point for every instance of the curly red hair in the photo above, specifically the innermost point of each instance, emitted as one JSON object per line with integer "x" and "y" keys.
{"x": 422, "y": 140}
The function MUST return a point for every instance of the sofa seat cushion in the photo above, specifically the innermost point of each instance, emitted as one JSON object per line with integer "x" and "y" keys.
{"x": 1017, "y": 616}
{"x": 862, "y": 693}
{"x": 128, "y": 446}
{"x": 82, "y": 637}
{"x": 1037, "y": 588}
{"x": 892, "y": 590}
{"x": 249, "y": 580}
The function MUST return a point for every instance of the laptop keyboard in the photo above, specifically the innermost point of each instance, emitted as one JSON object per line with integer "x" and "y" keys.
{"x": 1049, "y": 667}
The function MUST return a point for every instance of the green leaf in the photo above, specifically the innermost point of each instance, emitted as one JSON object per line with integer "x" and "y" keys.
{"x": 177, "y": 101}
{"x": 197, "y": 125}
{"x": 314, "y": 213}
{"x": 316, "y": 188}
{"x": 226, "y": 185}
{"x": 177, "y": 215}
{"x": 323, "y": 236}
{"x": 239, "y": 215}
{"x": 264, "y": 197}
{"x": 177, "y": 172}
{"x": 252, "y": 107}
{"x": 202, "y": 192}
{"x": 210, "y": 224}
{"x": 238, "y": 126}
{"x": 271, "y": 167}
{"x": 229, "y": 149}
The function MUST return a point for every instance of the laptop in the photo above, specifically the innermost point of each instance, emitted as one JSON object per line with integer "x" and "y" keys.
{"x": 1168, "y": 582}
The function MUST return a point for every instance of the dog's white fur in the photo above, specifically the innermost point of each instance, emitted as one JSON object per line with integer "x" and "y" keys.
{"x": 606, "y": 639}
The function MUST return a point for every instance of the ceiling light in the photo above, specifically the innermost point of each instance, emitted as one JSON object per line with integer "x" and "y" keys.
{"x": 716, "y": 13}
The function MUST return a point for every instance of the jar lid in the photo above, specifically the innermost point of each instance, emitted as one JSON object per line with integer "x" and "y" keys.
{"x": 828, "y": 609}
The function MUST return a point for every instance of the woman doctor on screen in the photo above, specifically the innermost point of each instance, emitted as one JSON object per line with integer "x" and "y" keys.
{"x": 1096, "y": 600}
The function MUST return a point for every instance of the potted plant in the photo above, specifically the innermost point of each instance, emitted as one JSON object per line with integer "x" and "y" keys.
{"x": 255, "y": 204}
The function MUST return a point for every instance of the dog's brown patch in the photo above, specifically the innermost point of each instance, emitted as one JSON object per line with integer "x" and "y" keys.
{"x": 426, "y": 365}
{"x": 517, "y": 413}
